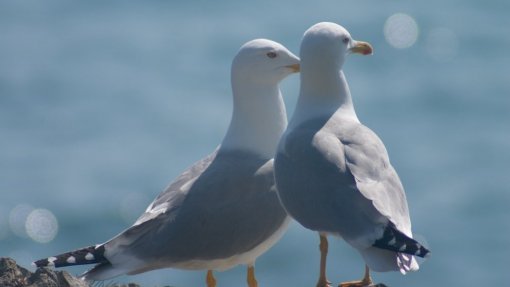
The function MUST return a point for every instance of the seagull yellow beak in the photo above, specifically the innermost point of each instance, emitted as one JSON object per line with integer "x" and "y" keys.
{"x": 362, "y": 48}
{"x": 294, "y": 68}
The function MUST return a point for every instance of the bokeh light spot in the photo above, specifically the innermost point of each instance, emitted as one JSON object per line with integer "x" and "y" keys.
{"x": 401, "y": 31}
{"x": 17, "y": 218}
{"x": 41, "y": 225}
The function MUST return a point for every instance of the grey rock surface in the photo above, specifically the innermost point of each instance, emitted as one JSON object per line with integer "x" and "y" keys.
{"x": 12, "y": 275}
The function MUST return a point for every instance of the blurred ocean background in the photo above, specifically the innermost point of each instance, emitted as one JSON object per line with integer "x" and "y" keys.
{"x": 103, "y": 103}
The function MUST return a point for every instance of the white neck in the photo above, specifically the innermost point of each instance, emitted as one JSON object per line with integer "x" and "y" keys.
{"x": 324, "y": 92}
{"x": 258, "y": 119}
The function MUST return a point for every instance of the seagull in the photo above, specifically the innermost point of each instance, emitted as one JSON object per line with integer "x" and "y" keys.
{"x": 222, "y": 211}
{"x": 333, "y": 174}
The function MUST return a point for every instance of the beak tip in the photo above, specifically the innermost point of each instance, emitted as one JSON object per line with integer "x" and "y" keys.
{"x": 295, "y": 68}
{"x": 363, "y": 48}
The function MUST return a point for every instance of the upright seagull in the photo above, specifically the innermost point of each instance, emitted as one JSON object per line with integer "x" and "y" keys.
{"x": 223, "y": 210}
{"x": 333, "y": 174}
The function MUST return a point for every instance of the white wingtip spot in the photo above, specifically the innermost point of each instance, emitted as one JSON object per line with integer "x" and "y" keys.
{"x": 71, "y": 260}
{"x": 402, "y": 248}
{"x": 51, "y": 261}
{"x": 392, "y": 241}
{"x": 89, "y": 256}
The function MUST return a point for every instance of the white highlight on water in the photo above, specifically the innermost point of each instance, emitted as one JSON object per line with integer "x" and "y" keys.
{"x": 41, "y": 225}
{"x": 17, "y": 219}
{"x": 401, "y": 31}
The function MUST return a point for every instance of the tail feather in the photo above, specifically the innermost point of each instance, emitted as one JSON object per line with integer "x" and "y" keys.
{"x": 397, "y": 241}
{"x": 87, "y": 255}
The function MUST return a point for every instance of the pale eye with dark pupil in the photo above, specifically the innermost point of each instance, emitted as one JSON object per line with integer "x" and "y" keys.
{"x": 271, "y": 55}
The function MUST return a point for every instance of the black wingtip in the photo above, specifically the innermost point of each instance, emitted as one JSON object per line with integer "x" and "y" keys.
{"x": 87, "y": 255}
{"x": 397, "y": 241}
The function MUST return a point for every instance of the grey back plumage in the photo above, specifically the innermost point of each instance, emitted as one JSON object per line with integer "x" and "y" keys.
{"x": 344, "y": 179}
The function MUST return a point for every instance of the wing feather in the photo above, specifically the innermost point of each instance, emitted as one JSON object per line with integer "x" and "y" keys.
{"x": 368, "y": 161}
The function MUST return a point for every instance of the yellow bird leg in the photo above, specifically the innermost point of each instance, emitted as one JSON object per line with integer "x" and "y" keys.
{"x": 211, "y": 282}
{"x": 366, "y": 281}
{"x": 252, "y": 282}
{"x": 323, "y": 247}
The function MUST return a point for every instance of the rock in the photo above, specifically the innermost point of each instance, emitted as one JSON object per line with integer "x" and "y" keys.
{"x": 12, "y": 275}
{"x": 67, "y": 279}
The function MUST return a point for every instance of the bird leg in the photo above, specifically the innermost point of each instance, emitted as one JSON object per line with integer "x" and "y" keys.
{"x": 211, "y": 282}
{"x": 366, "y": 281}
{"x": 252, "y": 282}
{"x": 323, "y": 247}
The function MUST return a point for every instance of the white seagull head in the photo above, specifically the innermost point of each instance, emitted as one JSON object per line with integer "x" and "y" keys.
{"x": 330, "y": 43}
{"x": 263, "y": 61}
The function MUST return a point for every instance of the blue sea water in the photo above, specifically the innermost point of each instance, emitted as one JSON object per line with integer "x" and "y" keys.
{"x": 102, "y": 104}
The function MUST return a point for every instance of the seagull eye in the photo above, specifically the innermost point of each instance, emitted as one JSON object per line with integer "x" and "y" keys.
{"x": 271, "y": 55}
{"x": 346, "y": 40}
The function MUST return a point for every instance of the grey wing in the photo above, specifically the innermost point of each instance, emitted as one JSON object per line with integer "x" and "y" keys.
{"x": 162, "y": 210}
{"x": 172, "y": 197}
{"x": 336, "y": 177}
{"x": 367, "y": 160}
{"x": 230, "y": 208}
{"x": 315, "y": 186}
